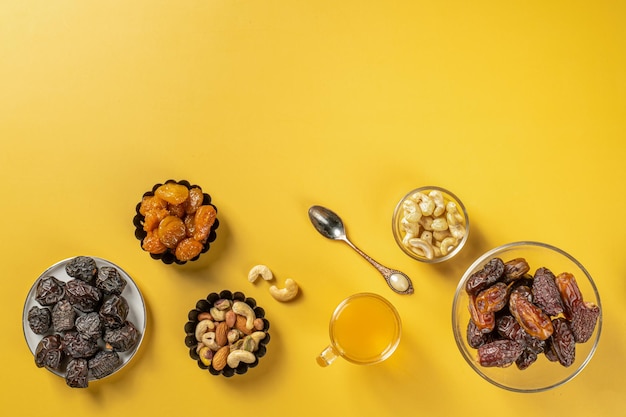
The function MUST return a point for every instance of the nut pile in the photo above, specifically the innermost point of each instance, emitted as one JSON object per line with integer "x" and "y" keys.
{"x": 176, "y": 220}
{"x": 515, "y": 316}
{"x": 431, "y": 225}
{"x": 83, "y": 322}
{"x": 227, "y": 333}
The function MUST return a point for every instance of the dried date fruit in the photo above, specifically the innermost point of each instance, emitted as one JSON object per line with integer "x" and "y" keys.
{"x": 484, "y": 277}
{"x": 110, "y": 281}
{"x": 39, "y": 319}
{"x": 77, "y": 373}
{"x": 63, "y": 316}
{"x": 515, "y": 269}
{"x": 500, "y": 353}
{"x": 171, "y": 231}
{"x": 89, "y": 326}
{"x": 485, "y": 322}
{"x": 570, "y": 293}
{"x": 203, "y": 221}
{"x": 114, "y": 311}
{"x": 83, "y": 296}
{"x": 49, "y": 291}
{"x": 49, "y": 352}
{"x": 76, "y": 346}
{"x": 493, "y": 298}
{"x": 584, "y": 318}
{"x": 104, "y": 363}
{"x": 545, "y": 292}
{"x": 508, "y": 327}
{"x": 123, "y": 338}
{"x": 83, "y": 268}
{"x": 563, "y": 343}
{"x": 172, "y": 192}
{"x": 475, "y": 337}
{"x": 532, "y": 319}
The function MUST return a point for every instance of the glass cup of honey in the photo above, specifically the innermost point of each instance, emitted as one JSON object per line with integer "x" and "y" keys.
{"x": 364, "y": 329}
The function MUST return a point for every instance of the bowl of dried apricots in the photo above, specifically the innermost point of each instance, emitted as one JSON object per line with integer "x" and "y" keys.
{"x": 175, "y": 222}
{"x": 527, "y": 316}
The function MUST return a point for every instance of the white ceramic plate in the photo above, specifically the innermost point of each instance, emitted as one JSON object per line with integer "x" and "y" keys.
{"x": 136, "y": 313}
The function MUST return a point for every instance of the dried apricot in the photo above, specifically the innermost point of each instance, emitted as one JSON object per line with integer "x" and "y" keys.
{"x": 188, "y": 249}
{"x": 171, "y": 231}
{"x": 204, "y": 218}
{"x": 172, "y": 193}
{"x": 152, "y": 243}
{"x": 195, "y": 200}
{"x": 151, "y": 202}
{"x": 153, "y": 217}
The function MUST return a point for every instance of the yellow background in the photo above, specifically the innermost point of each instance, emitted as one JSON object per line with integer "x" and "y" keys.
{"x": 272, "y": 106}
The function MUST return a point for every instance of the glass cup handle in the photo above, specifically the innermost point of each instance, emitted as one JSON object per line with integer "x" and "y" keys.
{"x": 327, "y": 356}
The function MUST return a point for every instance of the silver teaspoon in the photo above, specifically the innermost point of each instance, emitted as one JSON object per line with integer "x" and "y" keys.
{"x": 329, "y": 225}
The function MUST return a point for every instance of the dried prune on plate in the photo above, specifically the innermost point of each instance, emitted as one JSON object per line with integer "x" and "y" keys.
{"x": 83, "y": 268}
{"x": 77, "y": 373}
{"x": 63, "y": 316}
{"x": 78, "y": 347}
{"x": 39, "y": 319}
{"x": 49, "y": 352}
{"x": 110, "y": 281}
{"x": 114, "y": 311}
{"x": 123, "y": 338}
{"x": 49, "y": 291}
{"x": 89, "y": 325}
{"x": 83, "y": 296}
{"x": 104, "y": 363}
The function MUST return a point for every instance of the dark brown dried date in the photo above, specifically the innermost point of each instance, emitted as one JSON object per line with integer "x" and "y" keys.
{"x": 515, "y": 269}
{"x": 546, "y": 293}
{"x": 584, "y": 318}
{"x": 104, "y": 363}
{"x": 89, "y": 326}
{"x": 484, "y": 277}
{"x": 63, "y": 316}
{"x": 82, "y": 267}
{"x": 77, "y": 373}
{"x": 76, "y": 346}
{"x": 563, "y": 343}
{"x": 110, "y": 281}
{"x": 500, "y": 353}
{"x": 49, "y": 352}
{"x": 39, "y": 319}
{"x": 114, "y": 311}
{"x": 83, "y": 296}
{"x": 485, "y": 322}
{"x": 123, "y": 338}
{"x": 49, "y": 291}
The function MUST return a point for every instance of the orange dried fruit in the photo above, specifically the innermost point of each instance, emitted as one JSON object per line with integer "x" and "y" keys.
{"x": 204, "y": 218}
{"x": 172, "y": 193}
{"x": 195, "y": 200}
{"x": 153, "y": 217}
{"x": 171, "y": 231}
{"x": 188, "y": 249}
{"x": 150, "y": 203}
{"x": 152, "y": 243}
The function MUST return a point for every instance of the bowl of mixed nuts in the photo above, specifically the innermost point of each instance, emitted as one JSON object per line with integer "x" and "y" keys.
{"x": 527, "y": 316}
{"x": 175, "y": 222}
{"x": 227, "y": 333}
{"x": 430, "y": 224}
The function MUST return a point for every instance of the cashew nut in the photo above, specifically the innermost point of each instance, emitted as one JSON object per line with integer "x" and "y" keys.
{"x": 243, "y": 309}
{"x": 422, "y": 248}
{"x": 260, "y": 271}
{"x": 202, "y": 327}
{"x": 439, "y": 202}
{"x": 409, "y": 227}
{"x": 218, "y": 315}
{"x": 237, "y": 356}
{"x": 208, "y": 340}
{"x": 439, "y": 224}
{"x": 427, "y": 237}
{"x": 287, "y": 293}
{"x": 425, "y": 203}
{"x": 257, "y": 337}
{"x": 412, "y": 213}
{"x": 457, "y": 230}
{"x": 447, "y": 245}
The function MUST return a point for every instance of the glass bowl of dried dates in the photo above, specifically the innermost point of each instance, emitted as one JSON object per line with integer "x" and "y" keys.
{"x": 227, "y": 333}
{"x": 430, "y": 224}
{"x": 527, "y": 316}
{"x": 175, "y": 222}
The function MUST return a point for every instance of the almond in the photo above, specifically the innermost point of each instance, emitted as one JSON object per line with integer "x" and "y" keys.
{"x": 221, "y": 334}
{"x": 220, "y": 358}
{"x": 240, "y": 324}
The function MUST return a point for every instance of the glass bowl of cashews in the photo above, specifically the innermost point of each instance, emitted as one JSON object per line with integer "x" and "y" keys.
{"x": 430, "y": 224}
